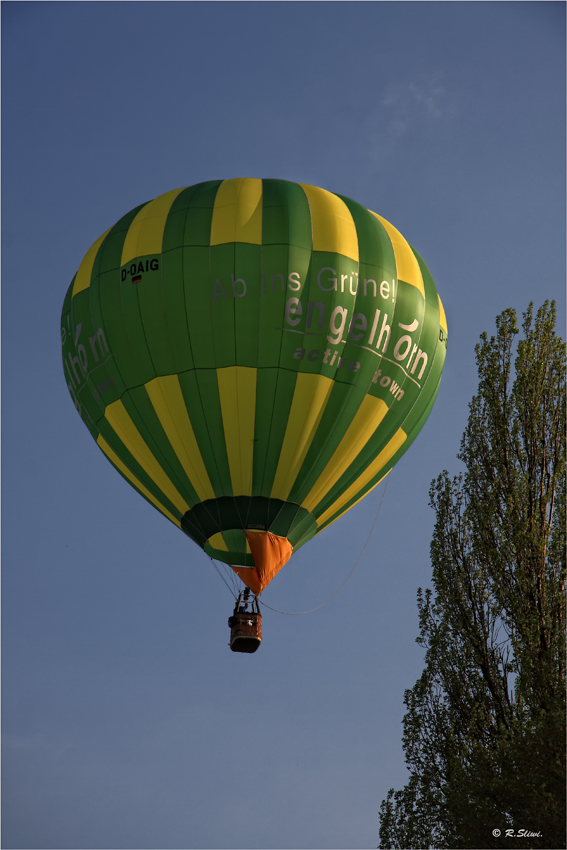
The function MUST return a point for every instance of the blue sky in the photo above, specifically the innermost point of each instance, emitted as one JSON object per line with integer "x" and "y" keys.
{"x": 128, "y": 723}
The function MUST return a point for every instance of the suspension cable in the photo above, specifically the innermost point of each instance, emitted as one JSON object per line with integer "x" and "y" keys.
{"x": 310, "y": 611}
{"x": 230, "y": 590}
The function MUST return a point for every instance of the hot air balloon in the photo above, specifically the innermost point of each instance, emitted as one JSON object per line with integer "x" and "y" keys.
{"x": 253, "y": 357}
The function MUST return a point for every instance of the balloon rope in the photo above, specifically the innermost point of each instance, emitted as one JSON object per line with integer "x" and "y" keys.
{"x": 231, "y": 590}
{"x": 297, "y": 613}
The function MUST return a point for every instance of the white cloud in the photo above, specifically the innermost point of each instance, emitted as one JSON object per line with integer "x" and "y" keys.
{"x": 403, "y": 105}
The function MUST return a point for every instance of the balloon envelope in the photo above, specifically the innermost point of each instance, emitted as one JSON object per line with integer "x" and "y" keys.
{"x": 253, "y": 356}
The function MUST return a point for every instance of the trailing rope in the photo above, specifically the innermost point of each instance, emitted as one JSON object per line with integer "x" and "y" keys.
{"x": 310, "y": 611}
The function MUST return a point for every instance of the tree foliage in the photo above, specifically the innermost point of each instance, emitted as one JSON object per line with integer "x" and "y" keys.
{"x": 484, "y": 732}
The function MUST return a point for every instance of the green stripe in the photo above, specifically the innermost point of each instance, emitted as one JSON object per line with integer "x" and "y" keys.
{"x": 154, "y": 325}
{"x": 430, "y": 338}
{"x": 198, "y": 208}
{"x": 174, "y": 302}
{"x": 198, "y": 305}
{"x": 286, "y": 217}
{"x": 188, "y": 224}
{"x": 422, "y": 416}
{"x": 275, "y": 390}
{"x": 388, "y": 428}
{"x": 185, "y": 276}
{"x": 415, "y": 418}
{"x": 103, "y": 384}
{"x": 234, "y": 556}
{"x": 201, "y": 394}
{"x": 375, "y": 252}
{"x": 106, "y": 304}
{"x": 339, "y": 412}
{"x": 276, "y": 266}
{"x": 142, "y": 412}
{"x": 174, "y": 230}
{"x": 132, "y": 464}
{"x": 286, "y": 250}
{"x": 221, "y": 269}
{"x": 247, "y": 266}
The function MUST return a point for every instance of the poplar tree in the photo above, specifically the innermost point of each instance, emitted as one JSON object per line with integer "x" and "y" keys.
{"x": 484, "y": 731}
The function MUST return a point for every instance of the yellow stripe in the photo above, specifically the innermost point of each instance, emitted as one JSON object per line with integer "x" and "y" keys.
{"x": 310, "y": 398}
{"x": 237, "y": 392}
{"x": 442, "y": 316}
{"x": 368, "y": 417}
{"x": 83, "y": 276}
{"x": 145, "y": 234}
{"x": 407, "y": 266}
{"x": 217, "y": 542}
{"x": 237, "y": 213}
{"x": 168, "y": 402}
{"x": 125, "y": 471}
{"x": 338, "y": 516}
{"x": 332, "y": 224}
{"x": 369, "y": 473}
{"x": 119, "y": 420}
